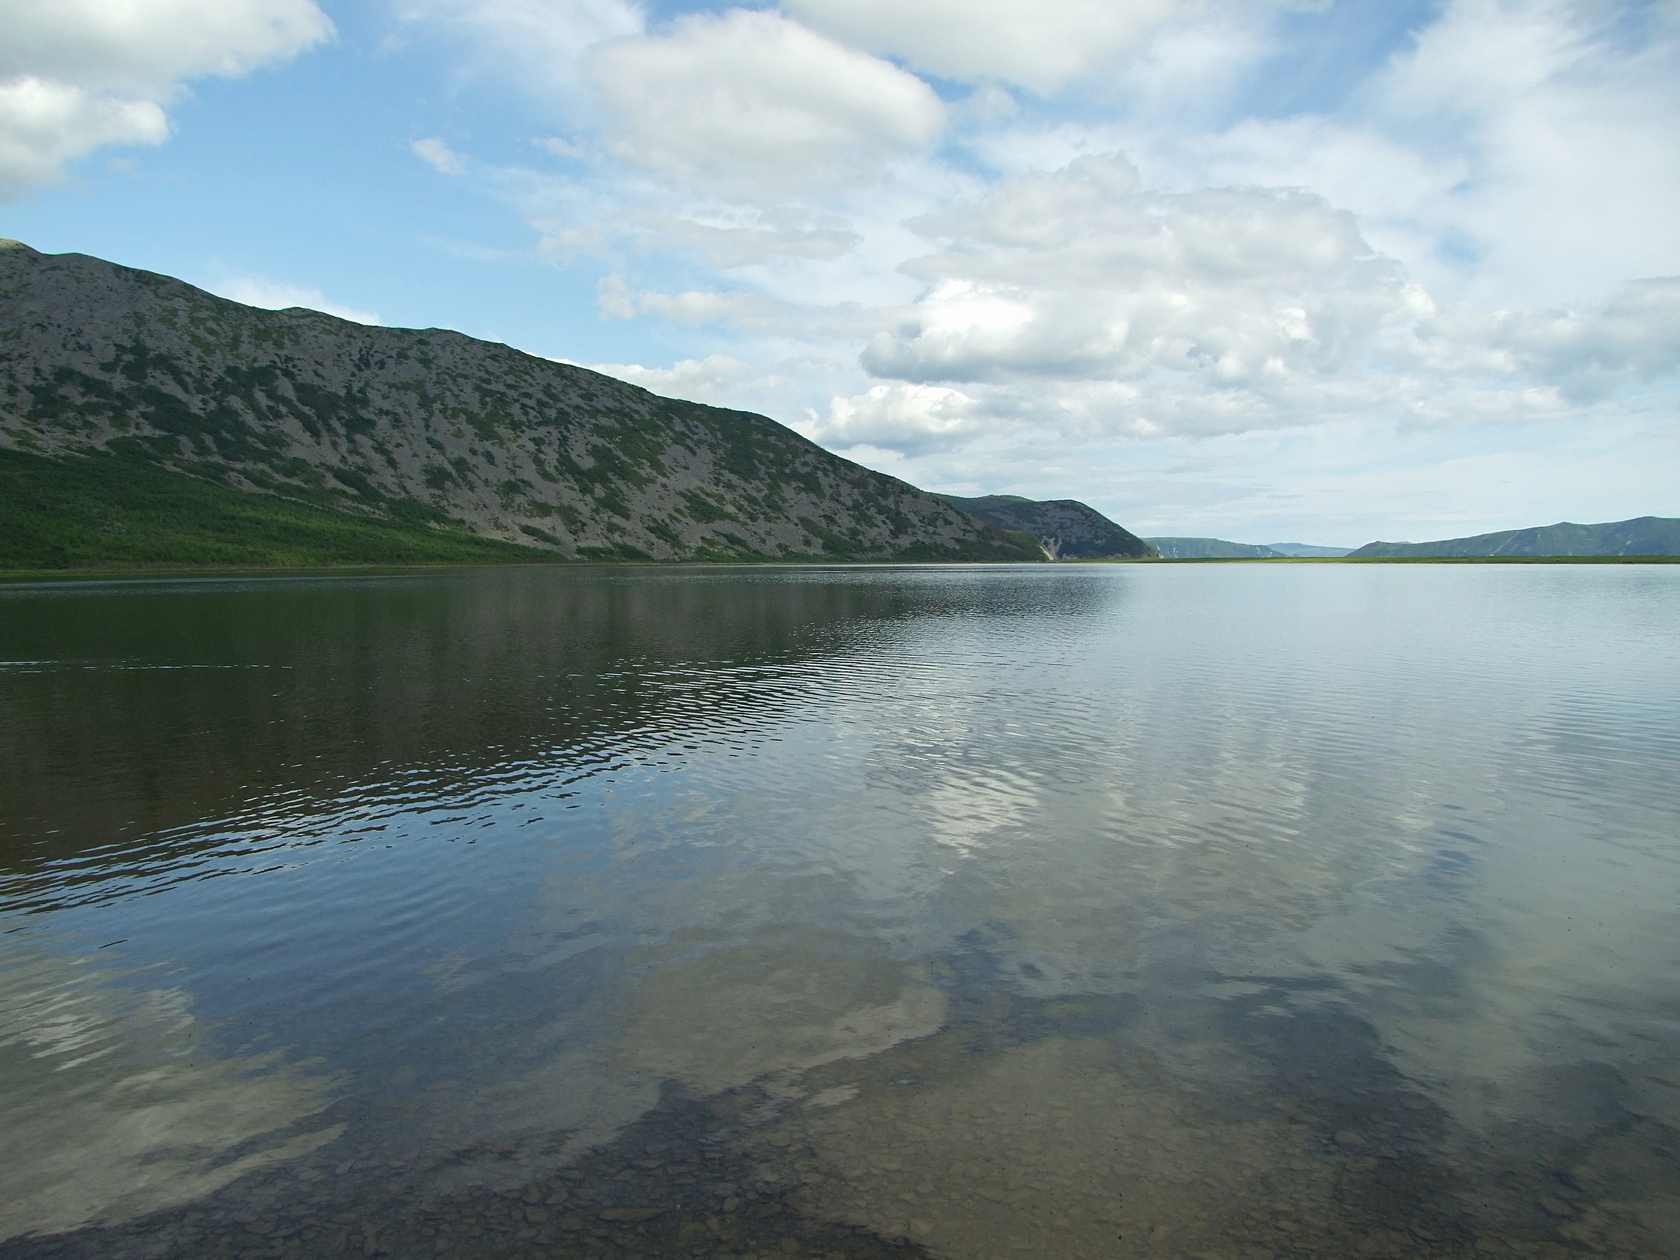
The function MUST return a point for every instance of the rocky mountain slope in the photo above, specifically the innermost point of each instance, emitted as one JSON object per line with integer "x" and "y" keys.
{"x": 427, "y": 430}
{"x": 1641, "y": 536}
{"x": 1066, "y": 528}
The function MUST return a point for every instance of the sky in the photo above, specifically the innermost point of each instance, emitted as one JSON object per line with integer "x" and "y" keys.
{"x": 1324, "y": 271}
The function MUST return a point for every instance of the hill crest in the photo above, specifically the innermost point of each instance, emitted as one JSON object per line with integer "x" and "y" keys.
{"x": 432, "y": 427}
{"x": 1639, "y": 536}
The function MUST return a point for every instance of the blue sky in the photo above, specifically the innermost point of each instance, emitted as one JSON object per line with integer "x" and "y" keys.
{"x": 1319, "y": 270}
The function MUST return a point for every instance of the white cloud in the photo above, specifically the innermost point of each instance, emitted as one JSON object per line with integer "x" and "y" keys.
{"x": 78, "y": 74}
{"x": 1079, "y": 306}
{"x": 1588, "y": 354}
{"x": 1080, "y": 275}
{"x": 1396, "y": 190}
{"x": 750, "y": 103}
{"x": 1569, "y": 128}
{"x": 148, "y": 45}
{"x": 538, "y": 43}
{"x": 277, "y": 296}
{"x": 712, "y": 379}
{"x": 44, "y": 123}
{"x": 908, "y": 418}
{"x": 1455, "y": 234}
{"x": 439, "y": 156}
{"x": 1036, "y": 44}
{"x": 746, "y": 240}
{"x": 566, "y": 150}
{"x": 1519, "y": 153}
{"x": 617, "y": 300}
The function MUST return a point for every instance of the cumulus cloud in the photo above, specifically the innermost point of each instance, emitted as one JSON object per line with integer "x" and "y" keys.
{"x": 45, "y": 123}
{"x": 907, "y": 418}
{"x": 750, "y": 103}
{"x": 1036, "y": 44}
{"x": 1456, "y": 225}
{"x": 1080, "y": 274}
{"x": 1079, "y": 303}
{"x": 1398, "y": 192}
{"x": 147, "y": 45}
{"x": 78, "y": 74}
{"x": 277, "y": 296}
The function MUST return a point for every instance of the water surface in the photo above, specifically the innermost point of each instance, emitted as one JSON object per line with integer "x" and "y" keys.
{"x": 1234, "y": 911}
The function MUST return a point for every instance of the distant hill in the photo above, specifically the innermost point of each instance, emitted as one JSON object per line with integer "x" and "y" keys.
{"x": 1066, "y": 528}
{"x": 1642, "y": 536}
{"x": 144, "y": 421}
{"x": 1306, "y": 551}
{"x": 1211, "y": 549}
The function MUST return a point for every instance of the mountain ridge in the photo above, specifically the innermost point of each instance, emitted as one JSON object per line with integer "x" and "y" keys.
{"x": 1211, "y": 549}
{"x": 1637, "y": 536}
{"x": 432, "y": 430}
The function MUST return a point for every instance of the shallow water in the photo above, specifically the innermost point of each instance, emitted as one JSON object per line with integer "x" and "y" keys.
{"x": 1234, "y": 911}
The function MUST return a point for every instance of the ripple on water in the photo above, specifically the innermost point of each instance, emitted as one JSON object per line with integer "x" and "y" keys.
{"x": 1264, "y": 911}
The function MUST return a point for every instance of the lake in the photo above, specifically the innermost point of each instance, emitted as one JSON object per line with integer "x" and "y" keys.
{"x": 1234, "y": 911}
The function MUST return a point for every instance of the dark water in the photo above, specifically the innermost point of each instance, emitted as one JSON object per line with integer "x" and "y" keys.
{"x": 1221, "y": 911}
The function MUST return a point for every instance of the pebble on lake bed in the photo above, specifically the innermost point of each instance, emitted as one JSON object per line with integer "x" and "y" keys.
{"x": 1056, "y": 1147}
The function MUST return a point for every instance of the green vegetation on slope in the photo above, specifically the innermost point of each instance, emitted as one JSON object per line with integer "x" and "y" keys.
{"x": 106, "y": 511}
{"x": 420, "y": 428}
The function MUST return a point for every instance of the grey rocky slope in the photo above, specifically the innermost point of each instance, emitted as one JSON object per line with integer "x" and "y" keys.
{"x": 1066, "y": 528}
{"x": 1641, "y": 536}
{"x": 430, "y": 424}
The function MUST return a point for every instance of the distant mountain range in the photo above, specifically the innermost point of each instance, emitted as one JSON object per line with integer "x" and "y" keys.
{"x": 143, "y": 421}
{"x": 1306, "y": 551}
{"x": 1066, "y": 528}
{"x": 1211, "y": 549}
{"x": 1641, "y": 536}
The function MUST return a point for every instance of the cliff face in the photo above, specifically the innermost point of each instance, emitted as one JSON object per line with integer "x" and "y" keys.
{"x": 431, "y": 427}
{"x": 1065, "y": 528}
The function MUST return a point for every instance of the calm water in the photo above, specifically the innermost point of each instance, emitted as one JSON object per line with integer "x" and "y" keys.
{"x": 1221, "y": 911}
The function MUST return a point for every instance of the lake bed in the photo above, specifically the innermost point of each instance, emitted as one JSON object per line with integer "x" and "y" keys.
{"x": 970, "y": 912}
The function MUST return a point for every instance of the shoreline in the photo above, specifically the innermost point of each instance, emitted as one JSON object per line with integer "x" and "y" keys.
{"x": 8, "y": 576}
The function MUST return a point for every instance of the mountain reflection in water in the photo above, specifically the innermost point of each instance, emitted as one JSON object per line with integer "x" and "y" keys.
{"x": 1074, "y": 911}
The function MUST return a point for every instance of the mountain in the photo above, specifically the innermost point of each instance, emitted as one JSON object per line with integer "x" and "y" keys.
{"x": 1641, "y": 536}
{"x": 1211, "y": 549}
{"x": 1307, "y": 551}
{"x": 1065, "y": 528}
{"x": 145, "y": 421}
